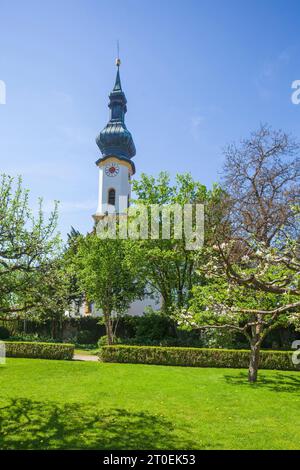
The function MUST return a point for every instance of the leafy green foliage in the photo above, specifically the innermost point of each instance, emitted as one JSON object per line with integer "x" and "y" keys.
{"x": 154, "y": 327}
{"x": 221, "y": 303}
{"x": 251, "y": 277}
{"x": 107, "y": 276}
{"x": 32, "y": 338}
{"x": 166, "y": 264}
{"x": 194, "y": 357}
{"x": 74, "y": 294}
{"x": 4, "y": 333}
{"x": 85, "y": 337}
{"x": 39, "y": 350}
{"x": 103, "y": 341}
{"x": 28, "y": 246}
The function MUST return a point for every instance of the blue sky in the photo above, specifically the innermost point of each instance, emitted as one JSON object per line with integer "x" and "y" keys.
{"x": 197, "y": 75}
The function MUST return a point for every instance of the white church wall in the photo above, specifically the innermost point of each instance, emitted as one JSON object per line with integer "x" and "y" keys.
{"x": 120, "y": 183}
{"x": 137, "y": 308}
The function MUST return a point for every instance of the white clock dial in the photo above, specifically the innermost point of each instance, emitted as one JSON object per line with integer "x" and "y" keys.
{"x": 112, "y": 169}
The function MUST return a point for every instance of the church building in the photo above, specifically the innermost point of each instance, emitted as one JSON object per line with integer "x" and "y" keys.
{"x": 116, "y": 169}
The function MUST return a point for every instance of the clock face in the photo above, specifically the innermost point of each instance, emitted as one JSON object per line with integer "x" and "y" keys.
{"x": 112, "y": 169}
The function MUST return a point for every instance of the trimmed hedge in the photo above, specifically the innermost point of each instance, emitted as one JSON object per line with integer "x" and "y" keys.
{"x": 195, "y": 357}
{"x": 39, "y": 350}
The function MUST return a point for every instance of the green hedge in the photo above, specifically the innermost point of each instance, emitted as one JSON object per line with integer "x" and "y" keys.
{"x": 195, "y": 357}
{"x": 39, "y": 350}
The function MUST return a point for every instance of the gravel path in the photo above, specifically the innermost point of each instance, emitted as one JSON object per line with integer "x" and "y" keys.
{"x": 81, "y": 357}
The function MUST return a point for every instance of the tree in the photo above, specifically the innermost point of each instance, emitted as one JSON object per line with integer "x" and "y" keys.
{"x": 75, "y": 295}
{"x": 255, "y": 254}
{"x": 52, "y": 294}
{"x": 57, "y": 289}
{"x": 28, "y": 244}
{"x": 167, "y": 265}
{"x": 107, "y": 276}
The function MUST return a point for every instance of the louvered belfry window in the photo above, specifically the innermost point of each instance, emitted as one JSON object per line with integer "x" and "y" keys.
{"x": 112, "y": 197}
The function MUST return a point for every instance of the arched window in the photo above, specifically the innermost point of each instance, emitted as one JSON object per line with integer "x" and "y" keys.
{"x": 112, "y": 197}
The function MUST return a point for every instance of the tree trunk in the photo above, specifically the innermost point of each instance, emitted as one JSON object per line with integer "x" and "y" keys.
{"x": 164, "y": 304}
{"x": 108, "y": 327}
{"x": 255, "y": 343}
{"x": 254, "y": 361}
{"x": 180, "y": 297}
{"x": 53, "y": 328}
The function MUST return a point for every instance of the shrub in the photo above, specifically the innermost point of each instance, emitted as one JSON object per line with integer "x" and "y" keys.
{"x": 127, "y": 326}
{"x": 195, "y": 357}
{"x": 85, "y": 337}
{"x": 89, "y": 329}
{"x": 88, "y": 347}
{"x": 33, "y": 338}
{"x": 4, "y": 333}
{"x": 182, "y": 341}
{"x": 103, "y": 341}
{"x": 225, "y": 339}
{"x": 39, "y": 350}
{"x": 154, "y": 326}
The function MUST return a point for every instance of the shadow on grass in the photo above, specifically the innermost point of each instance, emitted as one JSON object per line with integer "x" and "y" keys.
{"x": 25, "y": 424}
{"x": 278, "y": 382}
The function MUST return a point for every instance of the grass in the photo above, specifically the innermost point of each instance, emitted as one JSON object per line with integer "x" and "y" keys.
{"x": 86, "y": 405}
{"x": 87, "y": 352}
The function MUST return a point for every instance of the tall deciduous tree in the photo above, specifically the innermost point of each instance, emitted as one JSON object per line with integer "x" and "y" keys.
{"x": 168, "y": 265}
{"x": 255, "y": 254}
{"x": 107, "y": 276}
{"x": 75, "y": 294}
{"x": 28, "y": 245}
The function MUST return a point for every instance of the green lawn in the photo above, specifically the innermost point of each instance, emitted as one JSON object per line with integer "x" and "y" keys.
{"x": 86, "y": 405}
{"x": 87, "y": 352}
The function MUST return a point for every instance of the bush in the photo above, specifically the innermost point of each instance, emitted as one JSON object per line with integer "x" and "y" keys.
{"x": 89, "y": 329}
{"x": 85, "y": 337}
{"x": 127, "y": 326}
{"x": 155, "y": 329}
{"x": 195, "y": 357}
{"x": 154, "y": 326}
{"x": 182, "y": 341}
{"x": 39, "y": 350}
{"x": 225, "y": 339}
{"x": 4, "y": 333}
{"x": 33, "y": 338}
{"x": 103, "y": 341}
{"x": 88, "y": 347}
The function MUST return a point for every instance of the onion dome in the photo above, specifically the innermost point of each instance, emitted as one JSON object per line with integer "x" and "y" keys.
{"x": 115, "y": 140}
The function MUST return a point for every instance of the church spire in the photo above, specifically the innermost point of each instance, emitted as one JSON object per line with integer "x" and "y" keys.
{"x": 115, "y": 140}
{"x": 118, "y": 86}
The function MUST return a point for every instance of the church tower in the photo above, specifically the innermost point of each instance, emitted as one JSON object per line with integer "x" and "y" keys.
{"x": 117, "y": 148}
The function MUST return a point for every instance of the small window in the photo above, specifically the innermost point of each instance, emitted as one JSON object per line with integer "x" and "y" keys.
{"x": 112, "y": 197}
